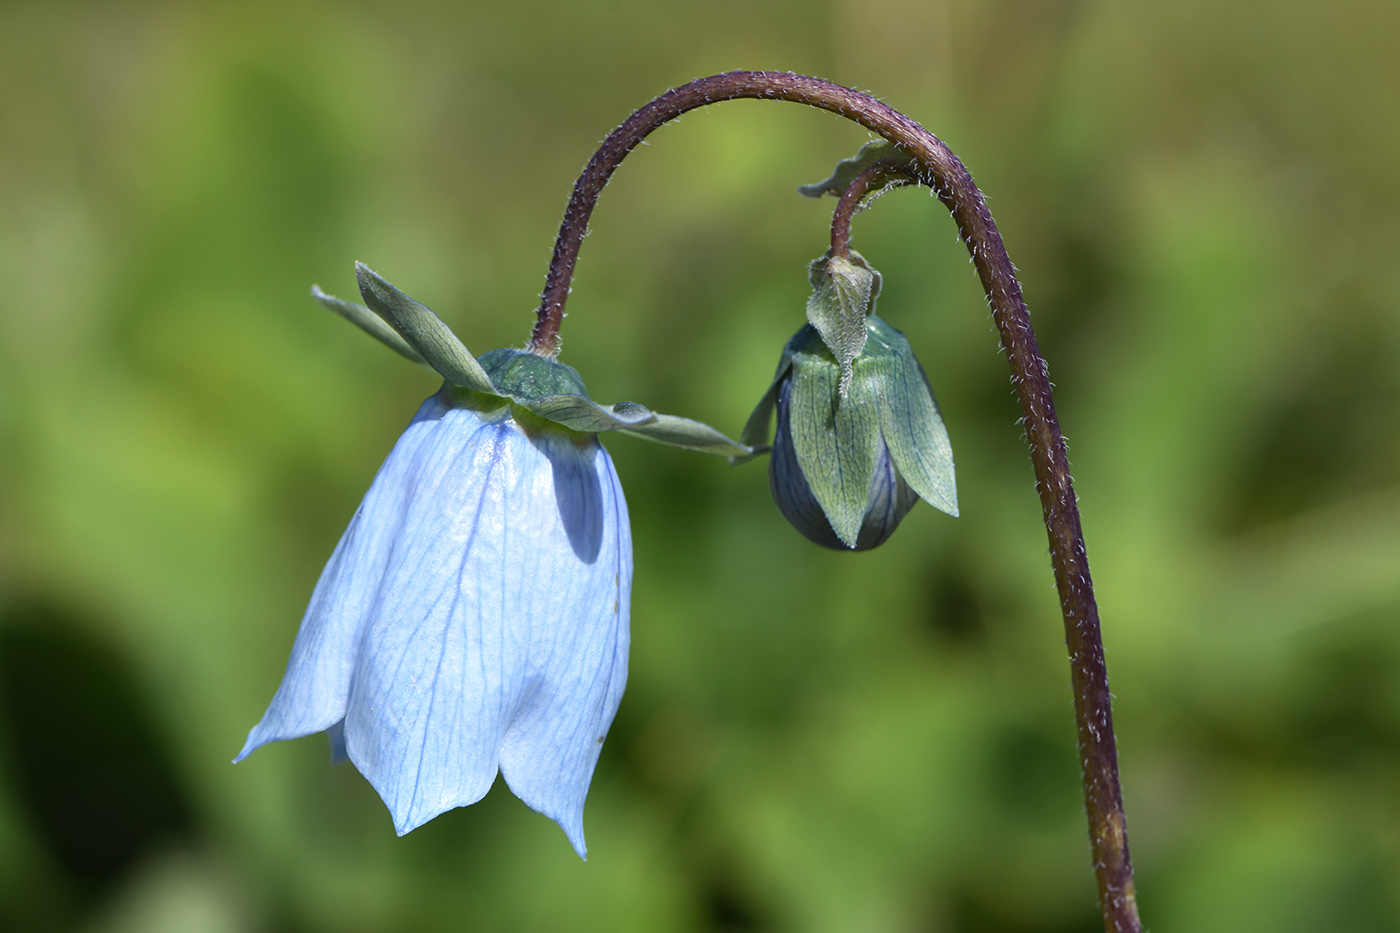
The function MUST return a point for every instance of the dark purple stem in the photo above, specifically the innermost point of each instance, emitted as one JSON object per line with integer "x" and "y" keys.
{"x": 943, "y": 172}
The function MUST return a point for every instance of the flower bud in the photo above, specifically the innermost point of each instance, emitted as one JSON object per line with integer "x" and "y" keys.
{"x": 846, "y": 468}
{"x": 890, "y": 497}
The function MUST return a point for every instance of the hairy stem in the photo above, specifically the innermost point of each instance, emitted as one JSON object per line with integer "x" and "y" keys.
{"x": 893, "y": 172}
{"x": 945, "y": 174}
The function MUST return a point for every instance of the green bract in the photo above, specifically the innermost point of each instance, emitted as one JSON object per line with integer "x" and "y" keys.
{"x": 877, "y": 150}
{"x": 546, "y": 388}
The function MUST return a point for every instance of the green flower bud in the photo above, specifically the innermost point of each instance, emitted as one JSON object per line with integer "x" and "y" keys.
{"x": 888, "y": 501}
{"x": 847, "y": 468}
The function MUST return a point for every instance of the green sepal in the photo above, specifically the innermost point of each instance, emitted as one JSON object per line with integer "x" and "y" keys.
{"x": 581, "y": 413}
{"x": 369, "y": 322}
{"x": 423, "y": 330}
{"x": 844, "y": 289}
{"x": 847, "y": 169}
{"x": 759, "y": 426}
{"x": 909, "y": 417}
{"x": 544, "y": 387}
{"x": 837, "y": 440}
{"x": 556, "y": 392}
{"x": 690, "y": 435}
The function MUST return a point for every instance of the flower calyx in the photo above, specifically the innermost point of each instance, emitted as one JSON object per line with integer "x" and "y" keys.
{"x": 545, "y": 387}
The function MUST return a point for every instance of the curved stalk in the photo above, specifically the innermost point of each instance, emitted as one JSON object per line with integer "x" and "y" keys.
{"x": 892, "y": 172}
{"x": 945, "y": 174}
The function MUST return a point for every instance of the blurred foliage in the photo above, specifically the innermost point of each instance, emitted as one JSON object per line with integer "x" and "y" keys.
{"x": 1203, "y": 202}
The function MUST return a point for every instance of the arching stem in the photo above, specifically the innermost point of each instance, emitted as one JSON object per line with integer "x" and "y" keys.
{"x": 942, "y": 171}
{"x": 890, "y": 172}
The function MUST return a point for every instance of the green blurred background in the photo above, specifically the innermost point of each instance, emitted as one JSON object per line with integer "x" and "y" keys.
{"x": 1203, "y": 201}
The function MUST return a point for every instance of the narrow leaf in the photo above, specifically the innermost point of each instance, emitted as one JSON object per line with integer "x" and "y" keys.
{"x": 369, "y": 322}
{"x": 692, "y": 435}
{"x": 424, "y": 331}
{"x": 580, "y": 413}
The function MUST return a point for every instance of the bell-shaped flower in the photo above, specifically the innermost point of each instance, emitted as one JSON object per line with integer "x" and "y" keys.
{"x": 859, "y": 437}
{"x": 474, "y": 616}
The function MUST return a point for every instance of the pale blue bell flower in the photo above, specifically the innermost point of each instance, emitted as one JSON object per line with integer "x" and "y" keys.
{"x": 474, "y": 616}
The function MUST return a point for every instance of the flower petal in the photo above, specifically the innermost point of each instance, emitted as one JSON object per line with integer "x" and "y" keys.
{"x": 433, "y": 681}
{"x": 490, "y": 615}
{"x": 313, "y": 692}
{"x": 336, "y": 735}
{"x": 579, "y": 641}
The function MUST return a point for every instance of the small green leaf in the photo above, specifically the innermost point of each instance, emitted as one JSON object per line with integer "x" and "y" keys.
{"x": 837, "y": 440}
{"x": 369, "y": 322}
{"x": 691, "y": 435}
{"x": 424, "y": 331}
{"x": 847, "y": 169}
{"x": 910, "y": 420}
